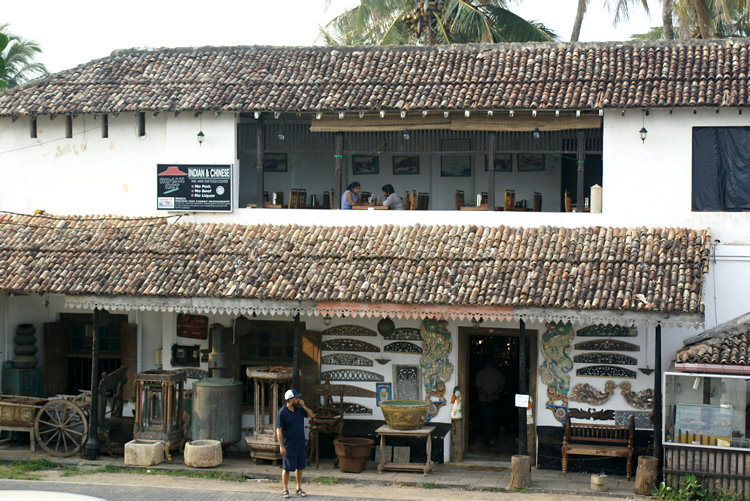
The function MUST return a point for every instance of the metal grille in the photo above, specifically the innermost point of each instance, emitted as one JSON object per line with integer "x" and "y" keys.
{"x": 299, "y": 139}
{"x": 716, "y": 468}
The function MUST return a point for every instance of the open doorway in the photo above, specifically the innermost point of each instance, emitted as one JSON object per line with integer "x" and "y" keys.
{"x": 489, "y": 382}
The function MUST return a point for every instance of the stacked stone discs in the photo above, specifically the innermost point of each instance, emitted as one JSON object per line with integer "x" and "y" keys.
{"x": 25, "y": 347}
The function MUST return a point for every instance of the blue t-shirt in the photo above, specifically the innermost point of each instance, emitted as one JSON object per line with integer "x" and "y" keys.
{"x": 345, "y": 203}
{"x": 292, "y": 426}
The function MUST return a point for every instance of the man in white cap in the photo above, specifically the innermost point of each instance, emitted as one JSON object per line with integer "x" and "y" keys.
{"x": 290, "y": 431}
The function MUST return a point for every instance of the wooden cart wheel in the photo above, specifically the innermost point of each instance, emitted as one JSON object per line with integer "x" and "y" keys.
{"x": 61, "y": 428}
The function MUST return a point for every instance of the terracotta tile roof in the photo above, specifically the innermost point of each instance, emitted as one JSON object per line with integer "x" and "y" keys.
{"x": 725, "y": 344}
{"x": 581, "y": 268}
{"x": 557, "y": 76}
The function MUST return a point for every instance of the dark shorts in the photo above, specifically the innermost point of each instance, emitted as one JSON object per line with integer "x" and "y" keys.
{"x": 294, "y": 459}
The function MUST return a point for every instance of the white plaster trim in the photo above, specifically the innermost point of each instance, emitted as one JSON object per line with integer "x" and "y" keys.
{"x": 192, "y": 305}
{"x": 607, "y": 317}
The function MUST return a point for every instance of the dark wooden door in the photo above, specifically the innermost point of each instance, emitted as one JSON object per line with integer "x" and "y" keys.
{"x": 55, "y": 358}
{"x": 309, "y": 365}
{"x": 129, "y": 357}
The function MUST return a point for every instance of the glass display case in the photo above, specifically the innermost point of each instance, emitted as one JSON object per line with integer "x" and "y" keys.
{"x": 706, "y": 410}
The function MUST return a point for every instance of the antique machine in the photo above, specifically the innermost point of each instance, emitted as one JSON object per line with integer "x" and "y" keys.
{"x": 158, "y": 410}
{"x": 266, "y": 381}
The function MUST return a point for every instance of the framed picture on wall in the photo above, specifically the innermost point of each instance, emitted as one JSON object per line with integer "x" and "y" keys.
{"x": 455, "y": 166}
{"x": 503, "y": 162}
{"x": 405, "y": 165}
{"x": 528, "y": 162}
{"x": 365, "y": 164}
{"x": 274, "y": 162}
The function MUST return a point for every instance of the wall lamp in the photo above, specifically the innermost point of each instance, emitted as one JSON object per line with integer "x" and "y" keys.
{"x": 643, "y": 132}
{"x": 536, "y": 133}
{"x": 201, "y": 136}
{"x": 406, "y": 135}
{"x": 281, "y": 135}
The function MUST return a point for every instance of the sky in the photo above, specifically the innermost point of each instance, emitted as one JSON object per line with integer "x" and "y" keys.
{"x": 77, "y": 31}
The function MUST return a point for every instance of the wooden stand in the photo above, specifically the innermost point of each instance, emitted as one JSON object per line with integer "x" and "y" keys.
{"x": 520, "y": 476}
{"x": 424, "y": 432}
{"x": 264, "y": 444}
{"x": 645, "y": 475}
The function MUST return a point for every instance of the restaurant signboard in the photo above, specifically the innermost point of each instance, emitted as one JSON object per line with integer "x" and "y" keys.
{"x": 194, "y": 187}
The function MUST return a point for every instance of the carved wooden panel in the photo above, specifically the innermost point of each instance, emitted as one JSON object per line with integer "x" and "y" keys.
{"x": 605, "y": 358}
{"x": 402, "y": 347}
{"x": 607, "y": 330}
{"x": 349, "y": 330}
{"x": 407, "y": 382}
{"x": 351, "y": 375}
{"x": 606, "y": 371}
{"x": 404, "y": 334}
{"x": 346, "y": 359}
{"x": 349, "y": 345}
{"x": 607, "y": 345}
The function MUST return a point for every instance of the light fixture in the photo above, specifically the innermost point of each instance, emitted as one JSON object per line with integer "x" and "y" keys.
{"x": 276, "y": 115}
{"x": 601, "y": 112}
{"x": 489, "y": 113}
{"x": 643, "y": 133}
{"x": 406, "y": 135}
{"x": 361, "y": 114}
{"x": 256, "y": 115}
{"x": 382, "y": 114}
{"x": 341, "y": 115}
{"x": 467, "y": 113}
{"x": 424, "y": 113}
{"x": 446, "y": 114}
{"x": 536, "y": 133}
{"x": 578, "y": 113}
{"x": 327, "y": 320}
{"x": 317, "y": 116}
{"x": 403, "y": 114}
{"x": 510, "y": 113}
{"x": 201, "y": 135}
{"x": 557, "y": 113}
{"x": 533, "y": 113}
{"x": 281, "y": 135}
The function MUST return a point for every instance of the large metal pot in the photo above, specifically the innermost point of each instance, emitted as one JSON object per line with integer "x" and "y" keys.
{"x": 405, "y": 414}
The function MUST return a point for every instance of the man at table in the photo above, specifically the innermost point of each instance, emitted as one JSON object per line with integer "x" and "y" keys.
{"x": 391, "y": 200}
{"x": 290, "y": 432}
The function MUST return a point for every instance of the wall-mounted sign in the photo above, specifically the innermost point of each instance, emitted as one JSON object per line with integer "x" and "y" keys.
{"x": 194, "y": 187}
{"x": 192, "y": 326}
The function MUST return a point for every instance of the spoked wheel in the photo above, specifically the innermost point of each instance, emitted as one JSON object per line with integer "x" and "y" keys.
{"x": 61, "y": 428}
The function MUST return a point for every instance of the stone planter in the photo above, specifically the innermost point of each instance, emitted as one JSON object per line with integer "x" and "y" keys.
{"x": 353, "y": 453}
{"x": 203, "y": 453}
{"x": 405, "y": 414}
{"x": 144, "y": 452}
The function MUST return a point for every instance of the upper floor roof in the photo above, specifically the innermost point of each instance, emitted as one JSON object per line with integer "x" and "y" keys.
{"x": 519, "y": 76}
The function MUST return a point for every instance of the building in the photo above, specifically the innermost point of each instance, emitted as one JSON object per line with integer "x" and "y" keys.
{"x": 245, "y": 124}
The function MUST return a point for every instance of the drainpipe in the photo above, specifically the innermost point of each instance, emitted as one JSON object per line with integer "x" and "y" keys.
{"x": 338, "y": 156}
{"x": 657, "y": 395}
{"x": 580, "y": 159}
{"x": 295, "y": 362}
{"x": 523, "y": 387}
{"x": 491, "y": 139}
{"x": 259, "y": 163}
{"x": 101, "y": 321}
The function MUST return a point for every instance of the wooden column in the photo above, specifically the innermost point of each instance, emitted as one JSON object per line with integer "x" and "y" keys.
{"x": 491, "y": 140}
{"x": 657, "y": 394}
{"x": 338, "y": 157}
{"x": 646, "y": 475}
{"x": 259, "y": 163}
{"x": 520, "y": 475}
{"x": 523, "y": 389}
{"x": 580, "y": 159}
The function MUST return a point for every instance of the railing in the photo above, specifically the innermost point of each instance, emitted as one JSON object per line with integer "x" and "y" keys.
{"x": 717, "y": 468}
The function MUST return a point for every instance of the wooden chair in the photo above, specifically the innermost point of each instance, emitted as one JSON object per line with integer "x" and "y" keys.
{"x": 329, "y": 418}
{"x": 458, "y": 199}
{"x": 327, "y": 200}
{"x": 406, "y": 200}
{"x": 413, "y": 203}
{"x": 510, "y": 200}
{"x": 537, "y": 202}
{"x": 364, "y": 196}
{"x": 568, "y": 202}
{"x": 485, "y": 198}
{"x": 423, "y": 201}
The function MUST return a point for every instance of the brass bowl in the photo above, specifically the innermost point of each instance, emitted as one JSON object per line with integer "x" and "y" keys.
{"x": 405, "y": 414}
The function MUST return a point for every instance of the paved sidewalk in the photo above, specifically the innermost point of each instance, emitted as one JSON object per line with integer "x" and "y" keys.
{"x": 485, "y": 476}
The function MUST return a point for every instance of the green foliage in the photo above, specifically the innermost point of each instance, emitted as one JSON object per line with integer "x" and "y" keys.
{"x": 429, "y": 485}
{"x": 390, "y": 22}
{"x": 17, "y": 59}
{"x": 22, "y": 470}
{"x": 691, "y": 490}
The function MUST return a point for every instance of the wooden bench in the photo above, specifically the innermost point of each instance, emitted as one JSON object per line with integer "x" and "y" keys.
{"x": 598, "y": 440}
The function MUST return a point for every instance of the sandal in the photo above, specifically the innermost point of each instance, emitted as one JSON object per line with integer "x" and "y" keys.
{"x": 285, "y": 494}
{"x": 301, "y": 493}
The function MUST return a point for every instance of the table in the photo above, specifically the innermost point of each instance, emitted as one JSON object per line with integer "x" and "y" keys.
{"x": 423, "y": 432}
{"x": 368, "y": 207}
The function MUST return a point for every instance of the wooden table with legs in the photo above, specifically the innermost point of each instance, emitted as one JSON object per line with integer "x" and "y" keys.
{"x": 423, "y": 432}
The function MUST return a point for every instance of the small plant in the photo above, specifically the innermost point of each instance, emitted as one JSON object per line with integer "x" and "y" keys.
{"x": 21, "y": 470}
{"x": 326, "y": 480}
{"x": 521, "y": 490}
{"x": 429, "y": 485}
{"x": 691, "y": 490}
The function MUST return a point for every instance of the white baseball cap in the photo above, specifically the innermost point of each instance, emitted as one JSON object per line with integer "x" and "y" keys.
{"x": 290, "y": 394}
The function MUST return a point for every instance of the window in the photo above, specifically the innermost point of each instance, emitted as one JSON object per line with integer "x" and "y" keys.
{"x": 707, "y": 410}
{"x": 32, "y": 128}
{"x": 721, "y": 168}
{"x": 141, "y": 119}
{"x": 105, "y": 125}
{"x": 68, "y": 126}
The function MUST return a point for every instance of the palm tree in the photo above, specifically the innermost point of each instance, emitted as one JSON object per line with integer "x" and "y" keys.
{"x": 387, "y": 22}
{"x": 702, "y": 19}
{"x": 3, "y": 44}
{"x": 621, "y": 9}
{"x": 19, "y": 55}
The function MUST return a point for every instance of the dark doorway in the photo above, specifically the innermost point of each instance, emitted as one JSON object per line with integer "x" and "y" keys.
{"x": 493, "y": 422}
{"x": 592, "y": 174}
